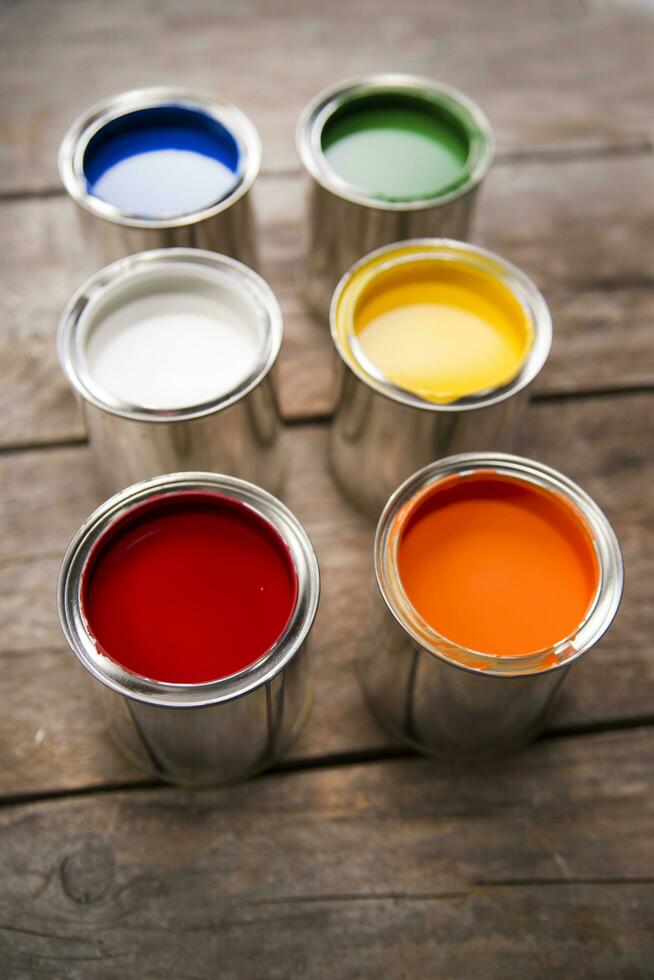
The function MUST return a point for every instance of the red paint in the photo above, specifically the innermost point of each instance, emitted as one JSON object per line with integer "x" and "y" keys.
{"x": 188, "y": 587}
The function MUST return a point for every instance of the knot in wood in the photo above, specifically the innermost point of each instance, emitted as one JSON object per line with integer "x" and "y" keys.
{"x": 87, "y": 873}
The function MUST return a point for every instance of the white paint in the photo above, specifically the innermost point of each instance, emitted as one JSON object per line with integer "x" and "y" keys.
{"x": 165, "y": 183}
{"x": 171, "y": 339}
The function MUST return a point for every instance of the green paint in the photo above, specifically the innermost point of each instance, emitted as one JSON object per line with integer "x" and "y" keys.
{"x": 397, "y": 148}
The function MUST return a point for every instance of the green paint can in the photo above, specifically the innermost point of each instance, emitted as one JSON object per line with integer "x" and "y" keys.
{"x": 397, "y": 147}
{"x": 390, "y": 157}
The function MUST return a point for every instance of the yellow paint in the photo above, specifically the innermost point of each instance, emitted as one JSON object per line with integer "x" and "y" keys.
{"x": 437, "y": 323}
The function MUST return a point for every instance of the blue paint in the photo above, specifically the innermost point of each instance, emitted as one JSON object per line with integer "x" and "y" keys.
{"x": 162, "y": 162}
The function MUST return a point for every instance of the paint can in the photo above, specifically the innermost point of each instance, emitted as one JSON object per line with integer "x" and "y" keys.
{"x": 437, "y": 343}
{"x": 438, "y": 693}
{"x": 160, "y": 168}
{"x": 171, "y": 353}
{"x": 232, "y": 725}
{"x": 388, "y": 157}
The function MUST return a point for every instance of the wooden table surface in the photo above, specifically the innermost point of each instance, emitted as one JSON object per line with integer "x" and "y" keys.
{"x": 353, "y": 858}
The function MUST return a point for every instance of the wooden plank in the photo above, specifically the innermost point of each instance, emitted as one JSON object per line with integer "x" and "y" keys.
{"x": 548, "y": 74}
{"x": 53, "y": 737}
{"x": 540, "y": 865}
{"x": 583, "y": 223}
{"x": 597, "y": 273}
{"x": 569, "y": 223}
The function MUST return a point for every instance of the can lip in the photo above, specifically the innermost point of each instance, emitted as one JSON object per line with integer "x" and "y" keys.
{"x": 76, "y": 140}
{"x": 143, "y": 263}
{"x": 164, "y": 694}
{"x": 316, "y": 113}
{"x": 597, "y": 620}
{"x": 519, "y": 284}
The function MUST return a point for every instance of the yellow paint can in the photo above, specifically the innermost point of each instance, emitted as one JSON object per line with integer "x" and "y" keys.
{"x": 433, "y": 320}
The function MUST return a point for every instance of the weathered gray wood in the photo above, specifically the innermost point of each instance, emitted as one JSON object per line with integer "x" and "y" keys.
{"x": 538, "y": 866}
{"x": 549, "y": 74}
{"x": 580, "y": 223}
{"x": 598, "y": 930}
{"x": 597, "y": 272}
{"x": 53, "y": 738}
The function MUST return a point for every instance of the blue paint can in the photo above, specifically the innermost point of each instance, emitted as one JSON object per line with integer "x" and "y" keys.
{"x": 163, "y": 167}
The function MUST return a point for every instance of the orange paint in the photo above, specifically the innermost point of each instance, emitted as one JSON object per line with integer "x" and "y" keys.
{"x": 496, "y": 564}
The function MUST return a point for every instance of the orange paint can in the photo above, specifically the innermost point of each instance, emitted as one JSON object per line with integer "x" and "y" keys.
{"x": 495, "y": 573}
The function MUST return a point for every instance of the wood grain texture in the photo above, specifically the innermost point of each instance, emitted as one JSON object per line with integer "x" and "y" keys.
{"x": 537, "y": 866}
{"x": 53, "y": 737}
{"x": 548, "y": 74}
{"x": 597, "y": 273}
{"x": 543, "y": 864}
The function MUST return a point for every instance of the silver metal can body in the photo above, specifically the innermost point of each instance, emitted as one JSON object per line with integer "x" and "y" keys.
{"x": 340, "y": 231}
{"x": 229, "y": 232}
{"x": 443, "y": 710}
{"x": 376, "y": 442}
{"x": 225, "y": 226}
{"x": 209, "y": 733}
{"x": 343, "y": 221}
{"x": 245, "y": 439}
{"x": 218, "y": 744}
{"x": 460, "y": 704}
{"x": 380, "y": 433}
{"x": 238, "y": 432}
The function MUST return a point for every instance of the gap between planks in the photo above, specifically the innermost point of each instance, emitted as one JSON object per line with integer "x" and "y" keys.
{"x": 336, "y": 760}
{"x": 324, "y": 418}
{"x": 557, "y": 154}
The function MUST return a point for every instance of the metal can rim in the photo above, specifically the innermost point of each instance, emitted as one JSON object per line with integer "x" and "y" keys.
{"x": 325, "y": 103}
{"x": 517, "y": 281}
{"x": 162, "y": 694}
{"x": 598, "y": 618}
{"x": 102, "y": 280}
{"x": 74, "y": 143}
